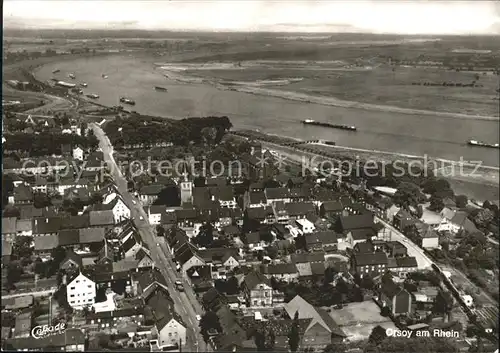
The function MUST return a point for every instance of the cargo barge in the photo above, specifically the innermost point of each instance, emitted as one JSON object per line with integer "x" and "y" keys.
{"x": 93, "y": 96}
{"x": 482, "y": 144}
{"x": 161, "y": 89}
{"x": 333, "y": 126}
{"x": 127, "y": 101}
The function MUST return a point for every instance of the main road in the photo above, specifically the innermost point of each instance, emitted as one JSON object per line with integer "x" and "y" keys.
{"x": 186, "y": 304}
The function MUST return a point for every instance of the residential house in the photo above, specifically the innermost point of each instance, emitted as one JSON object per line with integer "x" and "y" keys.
{"x": 406, "y": 265}
{"x": 118, "y": 207}
{"x": 155, "y": 213}
{"x": 81, "y": 292}
{"x": 402, "y": 220}
{"x": 22, "y": 195}
{"x": 305, "y": 261}
{"x": 277, "y": 194}
{"x": 258, "y": 291}
{"x": 357, "y": 236}
{"x": 454, "y": 221}
{"x": 187, "y": 256}
{"x": 280, "y": 212}
{"x": 95, "y": 162}
{"x": 369, "y": 264}
{"x": 78, "y": 153}
{"x": 322, "y": 329}
{"x": 305, "y": 225}
{"x": 122, "y": 316}
{"x": 283, "y": 271}
{"x": 186, "y": 219}
{"x": 354, "y": 222}
{"x": 149, "y": 193}
{"x": 46, "y": 226}
{"x": 332, "y": 209}
{"x": 300, "y": 194}
{"x": 213, "y": 300}
{"x": 425, "y": 298}
{"x": 23, "y": 325}
{"x": 395, "y": 297}
{"x": 322, "y": 241}
{"x": 170, "y": 329}
{"x": 254, "y": 199}
{"x": 254, "y": 241}
{"x": 300, "y": 210}
{"x": 260, "y": 215}
{"x": 221, "y": 260}
{"x": 102, "y": 218}
{"x": 396, "y": 249}
{"x": 71, "y": 261}
{"x": 91, "y": 236}
{"x": 426, "y": 237}
{"x": 44, "y": 245}
{"x": 225, "y": 196}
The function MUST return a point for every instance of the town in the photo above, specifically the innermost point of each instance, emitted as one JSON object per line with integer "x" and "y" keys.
{"x": 97, "y": 255}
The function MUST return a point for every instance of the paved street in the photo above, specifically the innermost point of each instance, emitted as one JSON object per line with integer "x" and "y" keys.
{"x": 423, "y": 260}
{"x": 186, "y": 304}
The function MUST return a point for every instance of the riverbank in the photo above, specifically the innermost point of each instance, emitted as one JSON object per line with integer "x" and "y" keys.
{"x": 385, "y": 132}
{"x": 260, "y": 89}
{"x": 475, "y": 181}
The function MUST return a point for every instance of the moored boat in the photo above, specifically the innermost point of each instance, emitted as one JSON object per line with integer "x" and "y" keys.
{"x": 334, "y": 126}
{"x": 127, "y": 101}
{"x": 93, "y": 96}
{"x": 162, "y": 89}
{"x": 482, "y": 144}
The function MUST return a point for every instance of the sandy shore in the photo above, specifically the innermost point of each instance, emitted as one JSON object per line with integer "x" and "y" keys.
{"x": 260, "y": 89}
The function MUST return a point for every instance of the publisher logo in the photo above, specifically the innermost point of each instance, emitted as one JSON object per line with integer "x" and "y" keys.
{"x": 43, "y": 331}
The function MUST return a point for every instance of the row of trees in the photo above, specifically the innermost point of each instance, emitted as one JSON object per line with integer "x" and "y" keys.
{"x": 145, "y": 131}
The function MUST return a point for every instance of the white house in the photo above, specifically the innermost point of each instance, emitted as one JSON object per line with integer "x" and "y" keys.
{"x": 455, "y": 221}
{"x": 170, "y": 332}
{"x": 117, "y": 205}
{"x": 305, "y": 226}
{"x": 154, "y": 213}
{"x": 78, "y": 153}
{"x": 81, "y": 292}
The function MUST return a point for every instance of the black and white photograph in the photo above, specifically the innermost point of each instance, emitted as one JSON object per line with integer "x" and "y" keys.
{"x": 250, "y": 176}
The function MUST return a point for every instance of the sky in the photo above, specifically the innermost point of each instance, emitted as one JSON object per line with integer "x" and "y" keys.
{"x": 377, "y": 16}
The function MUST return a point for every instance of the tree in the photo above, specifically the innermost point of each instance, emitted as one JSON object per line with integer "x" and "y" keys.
{"x": 408, "y": 194}
{"x": 294, "y": 335}
{"x": 22, "y": 247}
{"x": 367, "y": 283}
{"x": 271, "y": 340}
{"x": 160, "y": 231}
{"x": 378, "y": 335}
{"x": 41, "y": 200}
{"x": 260, "y": 341}
{"x": 209, "y": 321}
{"x": 272, "y": 252}
{"x": 169, "y": 196}
{"x": 232, "y": 286}
{"x": 205, "y": 236}
{"x": 461, "y": 201}
{"x": 14, "y": 272}
{"x": 483, "y": 218}
{"x": 436, "y": 204}
{"x": 443, "y": 303}
{"x": 385, "y": 311}
{"x": 209, "y": 134}
{"x": 199, "y": 181}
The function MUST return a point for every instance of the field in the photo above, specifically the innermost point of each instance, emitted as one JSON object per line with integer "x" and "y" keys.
{"x": 357, "y": 320}
{"x": 378, "y": 85}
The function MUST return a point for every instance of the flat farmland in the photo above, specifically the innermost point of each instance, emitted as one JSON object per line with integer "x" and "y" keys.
{"x": 378, "y": 85}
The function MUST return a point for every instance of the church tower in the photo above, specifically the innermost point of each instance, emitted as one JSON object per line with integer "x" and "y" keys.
{"x": 186, "y": 187}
